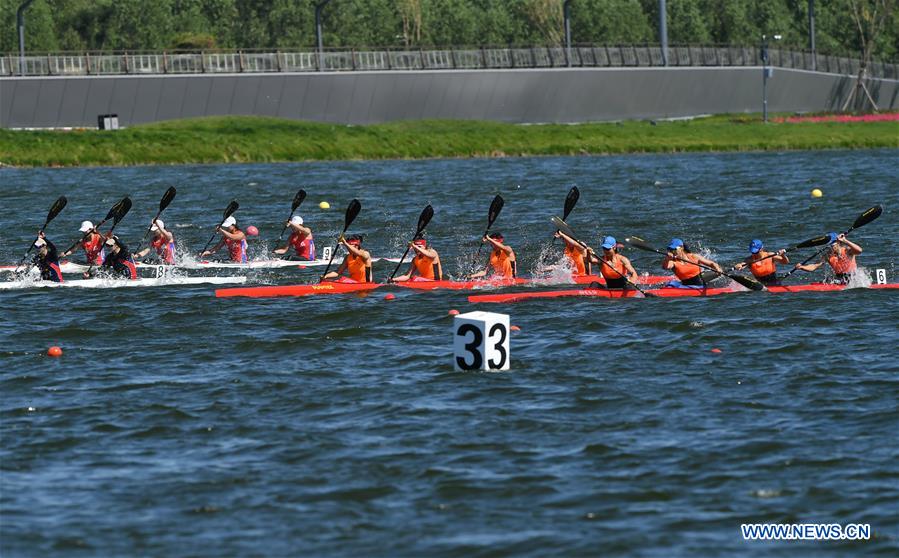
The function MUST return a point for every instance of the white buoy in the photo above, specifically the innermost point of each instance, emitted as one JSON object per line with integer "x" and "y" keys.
{"x": 481, "y": 341}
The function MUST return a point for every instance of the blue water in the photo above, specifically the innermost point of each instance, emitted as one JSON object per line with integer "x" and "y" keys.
{"x": 178, "y": 424}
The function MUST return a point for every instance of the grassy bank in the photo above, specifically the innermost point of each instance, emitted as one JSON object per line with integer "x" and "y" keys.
{"x": 254, "y": 139}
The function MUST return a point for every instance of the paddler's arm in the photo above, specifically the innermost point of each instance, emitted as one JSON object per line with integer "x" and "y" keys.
{"x": 781, "y": 257}
{"x": 668, "y": 262}
{"x": 142, "y": 253}
{"x": 631, "y": 272}
{"x": 338, "y": 273}
{"x": 214, "y": 248}
{"x": 571, "y": 242}
{"x": 239, "y": 235}
{"x": 810, "y": 267}
{"x": 708, "y": 262}
{"x": 300, "y": 229}
{"x": 854, "y": 248}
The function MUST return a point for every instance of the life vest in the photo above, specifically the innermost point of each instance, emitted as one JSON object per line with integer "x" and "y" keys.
{"x": 93, "y": 249}
{"x": 502, "y": 264}
{"x": 425, "y": 267}
{"x": 763, "y": 267}
{"x": 304, "y": 248}
{"x": 686, "y": 269}
{"x": 357, "y": 270}
{"x": 237, "y": 249}
{"x": 164, "y": 249}
{"x": 617, "y": 264}
{"x": 841, "y": 262}
{"x": 577, "y": 259}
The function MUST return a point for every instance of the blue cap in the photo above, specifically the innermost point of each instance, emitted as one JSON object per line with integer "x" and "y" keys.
{"x": 833, "y": 237}
{"x": 675, "y": 244}
{"x": 755, "y": 246}
{"x": 609, "y": 242}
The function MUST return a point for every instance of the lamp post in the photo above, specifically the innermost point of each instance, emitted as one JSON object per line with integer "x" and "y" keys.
{"x": 566, "y": 12}
{"x": 766, "y": 73}
{"x": 811, "y": 33}
{"x": 319, "y": 6}
{"x": 20, "y": 23}
{"x": 663, "y": 31}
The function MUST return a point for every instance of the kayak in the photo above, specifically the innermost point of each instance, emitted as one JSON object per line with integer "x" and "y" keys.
{"x": 664, "y": 292}
{"x": 105, "y": 283}
{"x": 331, "y": 287}
{"x": 73, "y": 267}
{"x": 419, "y": 283}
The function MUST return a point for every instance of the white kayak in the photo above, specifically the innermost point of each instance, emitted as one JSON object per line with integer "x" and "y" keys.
{"x": 109, "y": 283}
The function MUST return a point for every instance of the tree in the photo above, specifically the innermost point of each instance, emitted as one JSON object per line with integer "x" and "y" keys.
{"x": 870, "y": 17}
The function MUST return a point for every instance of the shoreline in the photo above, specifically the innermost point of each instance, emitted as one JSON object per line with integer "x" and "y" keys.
{"x": 248, "y": 140}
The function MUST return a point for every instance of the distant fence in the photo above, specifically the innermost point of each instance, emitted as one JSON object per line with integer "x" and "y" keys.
{"x": 592, "y": 56}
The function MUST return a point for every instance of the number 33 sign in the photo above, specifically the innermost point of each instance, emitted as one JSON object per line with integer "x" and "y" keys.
{"x": 481, "y": 341}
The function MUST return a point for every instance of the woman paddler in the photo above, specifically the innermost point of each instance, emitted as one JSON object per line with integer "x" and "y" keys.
{"x": 762, "y": 264}
{"x": 425, "y": 263}
{"x": 356, "y": 264}
{"x": 684, "y": 264}
{"x": 615, "y": 268}
{"x": 502, "y": 264}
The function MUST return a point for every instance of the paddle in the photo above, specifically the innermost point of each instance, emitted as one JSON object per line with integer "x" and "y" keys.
{"x": 570, "y": 201}
{"x": 862, "y": 220}
{"x": 57, "y": 206}
{"x": 232, "y": 207}
{"x": 817, "y": 241}
{"x": 352, "y": 211}
{"x": 122, "y": 208}
{"x": 562, "y": 226}
{"x": 495, "y": 207}
{"x": 297, "y": 200}
{"x": 423, "y": 221}
{"x": 747, "y": 282}
{"x": 163, "y": 203}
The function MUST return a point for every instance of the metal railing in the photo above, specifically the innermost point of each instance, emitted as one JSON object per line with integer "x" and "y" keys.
{"x": 581, "y": 56}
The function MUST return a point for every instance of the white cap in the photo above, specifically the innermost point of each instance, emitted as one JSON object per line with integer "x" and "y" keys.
{"x": 40, "y": 242}
{"x": 229, "y": 222}
{"x": 154, "y": 227}
{"x": 86, "y": 226}
{"x": 296, "y": 220}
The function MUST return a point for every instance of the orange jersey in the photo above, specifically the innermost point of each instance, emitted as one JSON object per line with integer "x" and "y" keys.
{"x": 686, "y": 269}
{"x": 841, "y": 262}
{"x": 425, "y": 267}
{"x": 763, "y": 267}
{"x": 606, "y": 268}
{"x": 357, "y": 270}
{"x": 577, "y": 259}
{"x": 502, "y": 264}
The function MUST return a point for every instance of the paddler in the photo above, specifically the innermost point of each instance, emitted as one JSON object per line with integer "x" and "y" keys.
{"x": 356, "y": 264}
{"x": 234, "y": 238}
{"x": 762, "y": 264}
{"x": 684, "y": 264}
{"x": 163, "y": 242}
{"x": 425, "y": 262}
{"x": 92, "y": 243}
{"x": 119, "y": 259}
{"x": 615, "y": 268}
{"x": 47, "y": 259}
{"x": 502, "y": 264}
{"x": 840, "y": 258}
{"x": 576, "y": 254}
{"x": 300, "y": 240}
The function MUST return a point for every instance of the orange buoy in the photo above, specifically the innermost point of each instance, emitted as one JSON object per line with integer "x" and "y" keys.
{"x": 390, "y": 296}
{"x": 54, "y": 351}
{"x": 515, "y": 328}
{"x": 453, "y": 312}
{"x": 716, "y": 351}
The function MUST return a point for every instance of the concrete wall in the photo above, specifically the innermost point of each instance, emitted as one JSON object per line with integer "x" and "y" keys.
{"x": 548, "y": 95}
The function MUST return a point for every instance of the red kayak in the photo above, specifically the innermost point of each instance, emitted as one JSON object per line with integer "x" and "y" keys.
{"x": 664, "y": 292}
{"x": 430, "y": 284}
{"x": 330, "y": 287}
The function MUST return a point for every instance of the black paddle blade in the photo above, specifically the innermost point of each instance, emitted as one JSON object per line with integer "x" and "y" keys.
{"x": 167, "y": 198}
{"x": 57, "y": 206}
{"x": 570, "y": 201}
{"x": 817, "y": 241}
{"x": 747, "y": 282}
{"x": 867, "y": 217}
{"x": 495, "y": 207}
{"x": 124, "y": 208}
{"x": 640, "y": 244}
{"x": 298, "y": 199}
{"x": 352, "y": 211}
{"x": 114, "y": 210}
{"x": 232, "y": 207}
{"x": 424, "y": 219}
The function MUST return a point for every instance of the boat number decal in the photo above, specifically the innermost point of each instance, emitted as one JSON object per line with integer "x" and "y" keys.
{"x": 474, "y": 347}
{"x": 881, "y": 277}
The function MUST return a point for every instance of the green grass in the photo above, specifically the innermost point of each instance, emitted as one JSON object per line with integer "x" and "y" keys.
{"x": 254, "y": 139}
